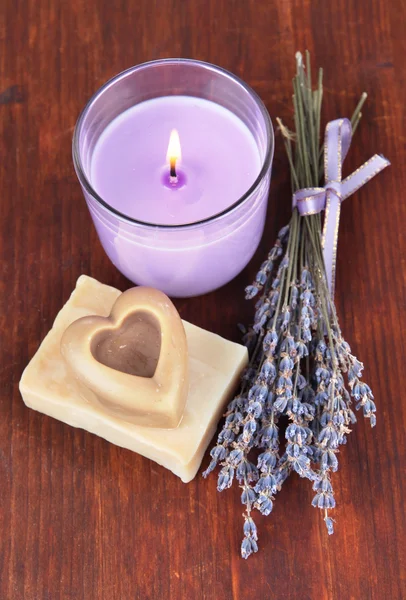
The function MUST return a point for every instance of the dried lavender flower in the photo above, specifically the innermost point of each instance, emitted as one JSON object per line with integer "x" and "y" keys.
{"x": 301, "y": 370}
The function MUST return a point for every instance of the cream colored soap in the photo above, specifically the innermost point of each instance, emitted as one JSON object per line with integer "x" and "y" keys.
{"x": 214, "y": 367}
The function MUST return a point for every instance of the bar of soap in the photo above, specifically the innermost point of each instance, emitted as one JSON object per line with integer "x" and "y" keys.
{"x": 215, "y": 365}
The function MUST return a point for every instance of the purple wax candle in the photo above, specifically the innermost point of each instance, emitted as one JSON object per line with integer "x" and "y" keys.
{"x": 188, "y": 224}
{"x": 220, "y": 161}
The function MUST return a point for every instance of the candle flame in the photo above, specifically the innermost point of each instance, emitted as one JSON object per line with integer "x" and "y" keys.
{"x": 174, "y": 153}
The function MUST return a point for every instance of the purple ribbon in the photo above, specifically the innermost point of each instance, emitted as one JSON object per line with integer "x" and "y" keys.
{"x": 310, "y": 201}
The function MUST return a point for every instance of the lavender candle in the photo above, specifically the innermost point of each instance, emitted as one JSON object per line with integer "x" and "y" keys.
{"x": 184, "y": 218}
{"x": 215, "y": 160}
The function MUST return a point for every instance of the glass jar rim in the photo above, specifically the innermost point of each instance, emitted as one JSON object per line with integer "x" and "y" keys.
{"x": 77, "y": 161}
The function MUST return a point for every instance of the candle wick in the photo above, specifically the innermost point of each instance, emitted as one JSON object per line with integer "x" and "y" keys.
{"x": 173, "y": 178}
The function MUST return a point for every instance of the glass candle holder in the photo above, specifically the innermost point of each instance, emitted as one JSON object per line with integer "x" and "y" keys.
{"x": 194, "y": 257}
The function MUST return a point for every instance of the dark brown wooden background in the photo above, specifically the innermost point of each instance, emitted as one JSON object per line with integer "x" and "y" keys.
{"x": 82, "y": 519}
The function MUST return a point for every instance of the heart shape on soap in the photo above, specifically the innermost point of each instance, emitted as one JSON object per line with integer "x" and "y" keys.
{"x": 134, "y": 348}
{"x": 135, "y": 360}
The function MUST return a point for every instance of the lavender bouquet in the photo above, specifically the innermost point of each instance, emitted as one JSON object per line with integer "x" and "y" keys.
{"x": 302, "y": 380}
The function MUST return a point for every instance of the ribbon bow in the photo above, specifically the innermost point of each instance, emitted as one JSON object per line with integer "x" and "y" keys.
{"x": 310, "y": 201}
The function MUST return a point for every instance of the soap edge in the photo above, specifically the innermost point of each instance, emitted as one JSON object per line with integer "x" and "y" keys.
{"x": 81, "y": 280}
{"x": 198, "y": 456}
{"x": 205, "y": 441}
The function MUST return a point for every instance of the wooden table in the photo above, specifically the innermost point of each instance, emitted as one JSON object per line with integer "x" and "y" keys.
{"x": 82, "y": 519}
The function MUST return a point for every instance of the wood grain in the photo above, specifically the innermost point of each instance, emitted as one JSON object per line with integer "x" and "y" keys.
{"x": 82, "y": 519}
